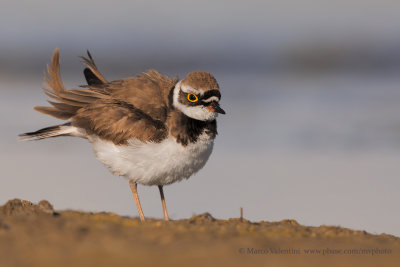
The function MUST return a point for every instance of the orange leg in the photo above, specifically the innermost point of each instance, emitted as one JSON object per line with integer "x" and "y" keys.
{"x": 164, "y": 206}
{"x": 133, "y": 186}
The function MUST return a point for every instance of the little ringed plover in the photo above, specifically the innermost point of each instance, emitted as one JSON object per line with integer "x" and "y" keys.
{"x": 151, "y": 129}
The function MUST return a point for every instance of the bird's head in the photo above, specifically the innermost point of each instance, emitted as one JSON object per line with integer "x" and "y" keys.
{"x": 198, "y": 96}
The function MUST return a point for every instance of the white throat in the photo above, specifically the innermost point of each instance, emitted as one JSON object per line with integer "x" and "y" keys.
{"x": 199, "y": 112}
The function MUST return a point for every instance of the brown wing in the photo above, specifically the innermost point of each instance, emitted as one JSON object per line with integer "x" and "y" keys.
{"x": 129, "y": 108}
{"x": 92, "y": 74}
{"x": 118, "y": 121}
{"x": 147, "y": 92}
{"x": 69, "y": 101}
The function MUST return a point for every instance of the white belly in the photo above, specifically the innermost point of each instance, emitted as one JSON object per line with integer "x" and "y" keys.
{"x": 153, "y": 163}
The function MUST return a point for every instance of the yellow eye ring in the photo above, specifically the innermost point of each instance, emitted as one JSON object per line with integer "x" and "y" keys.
{"x": 192, "y": 97}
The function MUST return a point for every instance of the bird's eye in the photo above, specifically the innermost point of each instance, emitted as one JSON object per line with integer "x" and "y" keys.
{"x": 192, "y": 97}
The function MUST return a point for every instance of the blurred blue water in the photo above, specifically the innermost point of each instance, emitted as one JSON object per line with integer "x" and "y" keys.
{"x": 322, "y": 145}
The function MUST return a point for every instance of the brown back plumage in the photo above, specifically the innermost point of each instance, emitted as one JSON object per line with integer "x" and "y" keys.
{"x": 92, "y": 74}
{"x": 147, "y": 92}
{"x": 69, "y": 101}
{"x": 116, "y": 111}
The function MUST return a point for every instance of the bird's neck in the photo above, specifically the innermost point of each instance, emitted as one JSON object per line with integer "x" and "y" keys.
{"x": 187, "y": 130}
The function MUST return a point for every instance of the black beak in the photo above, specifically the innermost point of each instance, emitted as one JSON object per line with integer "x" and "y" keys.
{"x": 215, "y": 106}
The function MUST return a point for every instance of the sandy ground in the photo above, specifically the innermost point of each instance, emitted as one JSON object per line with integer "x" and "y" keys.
{"x": 37, "y": 235}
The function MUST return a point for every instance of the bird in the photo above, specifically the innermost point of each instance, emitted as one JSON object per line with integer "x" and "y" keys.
{"x": 150, "y": 128}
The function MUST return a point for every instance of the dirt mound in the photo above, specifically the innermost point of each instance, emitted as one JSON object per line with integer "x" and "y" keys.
{"x": 36, "y": 235}
{"x": 18, "y": 207}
